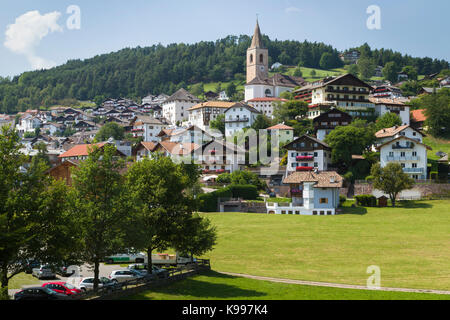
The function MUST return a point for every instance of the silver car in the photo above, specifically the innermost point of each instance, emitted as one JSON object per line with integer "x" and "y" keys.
{"x": 119, "y": 276}
{"x": 44, "y": 272}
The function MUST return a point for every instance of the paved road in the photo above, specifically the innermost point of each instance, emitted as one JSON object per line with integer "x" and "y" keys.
{"x": 334, "y": 285}
{"x": 85, "y": 271}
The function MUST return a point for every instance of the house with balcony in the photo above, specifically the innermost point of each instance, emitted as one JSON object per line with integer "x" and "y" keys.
{"x": 266, "y": 105}
{"x": 285, "y": 133}
{"x": 312, "y": 193}
{"x": 404, "y": 145}
{"x": 346, "y": 92}
{"x": 328, "y": 121}
{"x": 148, "y": 128}
{"x": 383, "y": 106}
{"x": 307, "y": 153}
{"x": 203, "y": 113}
{"x": 175, "y": 108}
{"x": 238, "y": 117}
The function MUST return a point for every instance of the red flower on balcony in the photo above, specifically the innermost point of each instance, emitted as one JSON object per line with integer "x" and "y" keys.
{"x": 305, "y": 168}
{"x": 220, "y": 171}
{"x": 300, "y": 158}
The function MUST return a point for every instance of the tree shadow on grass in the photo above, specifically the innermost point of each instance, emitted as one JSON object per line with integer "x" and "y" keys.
{"x": 412, "y": 204}
{"x": 356, "y": 210}
{"x": 204, "y": 289}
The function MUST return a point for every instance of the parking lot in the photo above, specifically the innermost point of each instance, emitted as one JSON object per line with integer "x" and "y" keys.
{"x": 84, "y": 271}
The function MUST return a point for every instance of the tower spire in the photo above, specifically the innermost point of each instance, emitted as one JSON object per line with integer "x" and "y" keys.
{"x": 257, "y": 38}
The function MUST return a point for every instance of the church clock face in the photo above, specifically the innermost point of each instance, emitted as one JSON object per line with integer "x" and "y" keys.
{"x": 261, "y": 68}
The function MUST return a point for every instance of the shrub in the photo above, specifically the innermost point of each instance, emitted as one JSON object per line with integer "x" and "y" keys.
{"x": 366, "y": 200}
{"x": 246, "y": 192}
{"x": 4, "y": 294}
{"x": 342, "y": 199}
{"x": 208, "y": 201}
{"x": 224, "y": 178}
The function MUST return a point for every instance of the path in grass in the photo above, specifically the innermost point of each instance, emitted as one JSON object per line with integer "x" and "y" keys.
{"x": 410, "y": 244}
{"x": 332, "y": 285}
{"x": 215, "y": 286}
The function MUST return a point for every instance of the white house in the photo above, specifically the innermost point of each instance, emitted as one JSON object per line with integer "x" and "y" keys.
{"x": 28, "y": 123}
{"x": 265, "y": 105}
{"x": 383, "y": 106}
{"x": 307, "y": 154}
{"x": 148, "y": 128}
{"x": 238, "y": 117}
{"x": 312, "y": 193}
{"x": 203, "y": 113}
{"x": 175, "y": 109}
{"x": 404, "y": 145}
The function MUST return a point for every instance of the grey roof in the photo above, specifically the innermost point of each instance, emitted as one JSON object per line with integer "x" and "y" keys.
{"x": 279, "y": 80}
{"x": 257, "y": 38}
{"x": 182, "y": 94}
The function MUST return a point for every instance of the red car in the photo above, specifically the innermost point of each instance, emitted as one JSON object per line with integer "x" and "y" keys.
{"x": 62, "y": 287}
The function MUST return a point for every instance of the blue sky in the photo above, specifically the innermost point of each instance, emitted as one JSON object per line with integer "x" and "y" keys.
{"x": 414, "y": 27}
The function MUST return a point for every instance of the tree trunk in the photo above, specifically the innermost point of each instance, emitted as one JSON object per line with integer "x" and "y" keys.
{"x": 4, "y": 276}
{"x": 393, "y": 197}
{"x": 149, "y": 258}
{"x": 96, "y": 273}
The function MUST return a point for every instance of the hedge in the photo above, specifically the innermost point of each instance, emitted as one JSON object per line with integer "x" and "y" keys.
{"x": 208, "y": 201}
{"x": 366, "y": 200}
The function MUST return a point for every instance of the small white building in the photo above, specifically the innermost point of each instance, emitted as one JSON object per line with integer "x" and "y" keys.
{"x": 175, "y": 109}
{"x": 148, "y": 128}
{"x": 238, "y": 117}
{"x": 383, "y": 106}
{"x": 285, "y": 133}
{"x": 312, "y": 193}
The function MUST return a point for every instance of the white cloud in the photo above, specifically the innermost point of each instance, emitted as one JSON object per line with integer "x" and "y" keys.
{"x": 25, "y": 35}
{"x": 293, "y": 10}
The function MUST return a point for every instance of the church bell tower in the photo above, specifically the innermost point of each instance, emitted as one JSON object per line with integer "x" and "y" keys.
{"x": 257, "y": 58}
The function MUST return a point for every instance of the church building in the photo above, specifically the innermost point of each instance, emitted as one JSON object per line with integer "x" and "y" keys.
{"x": 259, "y": 84}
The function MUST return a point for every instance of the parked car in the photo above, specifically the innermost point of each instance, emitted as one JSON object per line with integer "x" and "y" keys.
{"x": 142, "y": 267}
{"x": 66, "y": 270}
{"x": 87, "y": 284}
{"x": 125, "y": 257}
{"x": 119, "y": 276}
{"x": 62, "y": 287}
{"x": 44, "y": 272}
{"x": 39, "y": 293}
{"x": 30, "y": 265}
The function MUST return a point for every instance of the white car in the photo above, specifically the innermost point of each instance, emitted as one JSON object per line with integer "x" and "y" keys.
{"x": 119, "y": 276}
{"x": 87, "y": 284}
{"x": 44, "y": 272}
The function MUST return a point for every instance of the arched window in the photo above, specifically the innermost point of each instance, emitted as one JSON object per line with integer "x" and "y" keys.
{"x": 268, "y": 93}
{"x": 251, "y": 58}
{"x": 261, "y": 58}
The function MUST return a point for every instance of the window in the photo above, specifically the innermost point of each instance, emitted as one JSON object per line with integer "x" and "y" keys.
{"x": 261, "y": 58}
{"x": 283, "y": 212}
{"x": 414, "y": 154}
{"x": 414, "y": 165}
{"x": 315, "y": 213}
{"x": 323, "y": 200}
{"x": 251, "y": 58}
{"x": 329, "y": 213}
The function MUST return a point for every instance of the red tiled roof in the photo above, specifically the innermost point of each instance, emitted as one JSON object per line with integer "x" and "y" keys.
{"x": 418, "y": 115}
{"x": 80, "y": 150}
{"x": 176, "y": 148}
{"x": 266, "y": 99}
{"x": 280, "y": 127}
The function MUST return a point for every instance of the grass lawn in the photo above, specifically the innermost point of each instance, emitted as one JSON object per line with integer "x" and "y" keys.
{"x": 22, "y": 279}
{"x": 437, "y": 145}
{"x": 411, "y": 245}
{"x": 215, "y": 286}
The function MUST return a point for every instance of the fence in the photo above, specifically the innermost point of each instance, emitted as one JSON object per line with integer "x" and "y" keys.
{"x": 136, "y": 286}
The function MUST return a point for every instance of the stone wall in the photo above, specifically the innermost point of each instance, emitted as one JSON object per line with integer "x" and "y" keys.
{"x": 419, "y": 191}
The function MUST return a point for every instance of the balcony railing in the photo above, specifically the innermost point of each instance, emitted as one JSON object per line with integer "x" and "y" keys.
{"x": 305, "y": 168}
{"x": 388, "y": 158}
{"x": 305, "y": 158}
{"x": 399, "y": 146}
{"x": 333, "y": 90}
{"x": 413, "y": 170}
{"x": 237, "y": 120}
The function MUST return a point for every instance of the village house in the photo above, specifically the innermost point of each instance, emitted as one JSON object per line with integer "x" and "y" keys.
{"x": 238, "y": 117}
{"x": 203, "y": 113}
{"x": 266, "y": 105}
{"x": 328, "y": 121}
{"x": 81, "y": 152}
{"x": 346, "y": 92}
{"x": 148, "y": 128}
{"x": 403, "y": 145}
{"x": 383, "y": 106}
{"x": 175, "y": 109}
{"x": 418, "y": 119}
{"x": 312, "y": 193}
{"x": 285, "y": 133}
{"x": 307, "y": 154}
